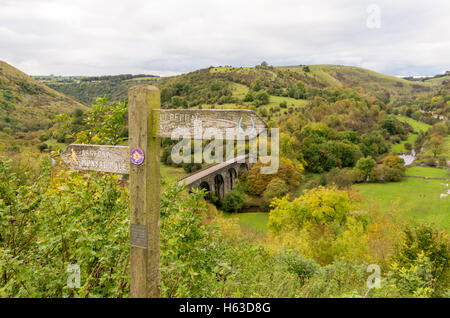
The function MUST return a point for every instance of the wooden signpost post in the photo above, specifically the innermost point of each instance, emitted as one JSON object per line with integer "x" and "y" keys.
{"x": 146, "y": 124}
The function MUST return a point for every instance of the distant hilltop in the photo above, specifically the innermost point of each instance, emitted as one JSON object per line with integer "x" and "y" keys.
{"x": 62, "y": 79}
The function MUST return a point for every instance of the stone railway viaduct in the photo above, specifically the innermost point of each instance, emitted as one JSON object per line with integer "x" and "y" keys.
{"x": 219, "y": 178}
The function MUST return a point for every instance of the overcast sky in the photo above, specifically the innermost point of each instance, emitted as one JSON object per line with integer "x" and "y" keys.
{"x": 167, "y": 37}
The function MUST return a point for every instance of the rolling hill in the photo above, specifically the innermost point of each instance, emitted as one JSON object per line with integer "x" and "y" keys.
{"x": 239, "y": 80}
{"x": 28, "y": 108}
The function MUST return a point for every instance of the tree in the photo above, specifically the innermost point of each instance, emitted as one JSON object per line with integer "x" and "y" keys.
{"x": 365, "y": 165}
{"x": 408, "y": 146}
{"x": 261, "y": 98}
{"x": 320, "y": 206}
{"x": 435, "y": 144}
{"x": 105, "y": 123}
{"x": 345, "y": 177}
{"x": 233, "y": 201}
{"x": 276, "y": 188}
{"x": 257, "y": 182}
{"x": 394, "y": 162}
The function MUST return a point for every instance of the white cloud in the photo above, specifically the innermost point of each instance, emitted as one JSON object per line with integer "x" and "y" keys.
{"x": 173, "y": 36}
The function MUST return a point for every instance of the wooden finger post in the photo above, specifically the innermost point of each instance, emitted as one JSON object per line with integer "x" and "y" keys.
{"x": 144, "y": 148}
{"x": 147, "y": 123}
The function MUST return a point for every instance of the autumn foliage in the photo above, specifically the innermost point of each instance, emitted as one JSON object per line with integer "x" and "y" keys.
{"x": 257, "y": 182}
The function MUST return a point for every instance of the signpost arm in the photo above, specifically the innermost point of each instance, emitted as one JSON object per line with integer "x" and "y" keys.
{"x": 144, "y": 191}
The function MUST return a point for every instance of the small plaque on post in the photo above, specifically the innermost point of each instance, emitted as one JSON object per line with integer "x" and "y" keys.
{"x": 137, "y": 156}
{"x": 138, "y": 235}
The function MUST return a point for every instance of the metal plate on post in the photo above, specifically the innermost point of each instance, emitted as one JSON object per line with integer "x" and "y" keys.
{"x": 138, "y": 235}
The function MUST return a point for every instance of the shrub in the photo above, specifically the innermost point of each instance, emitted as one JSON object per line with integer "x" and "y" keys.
{"x": 192, "y": 167}
{"x": 430, "y": 162}
{"x": 44, "y": 137}
{"x": 443, "y": 162}
{"x": 412, "y": 281}
{"x": 276, "y": 188}
{"x": 393, "y": 174}
{"x": 233, "y": 200}
{"x": 394, "y": 162}
{"x": 42, "y": 147}
{"x": 426, "y": 241}
{"x": 303, "y": 267}
{"x": 263, "y": 112}
{"x": 344, "y": 177}
{"x": 408, "y": 146}
{"x": 261, "y": 98}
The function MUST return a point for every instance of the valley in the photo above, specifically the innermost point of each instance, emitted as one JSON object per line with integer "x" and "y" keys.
{"x": 341, "y": 198}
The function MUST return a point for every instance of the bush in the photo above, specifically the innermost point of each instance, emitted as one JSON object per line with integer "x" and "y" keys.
{"x": 394, "y": 162}
{"x": 303, "y": 267}
{"x": 415, "y": 280}
{"x": 431, "y": 162}
{"x": 393, "y": 174}
{"x": 263, "y": 112}
{"x": 276, "y": 188}
{"x": 387, "y": 174}
{"x": 443, "y": 162}
{"x": 426, "y": 241}
{"x": 42, "y": 147}
{"x": 408, "y": 146}
{"x": 192, "y": 167}
{"x": 344, "y": 177}
{"x": 44, "y": 137}
{"x": 233, "y": 200}
{"x": 261, "y": 98}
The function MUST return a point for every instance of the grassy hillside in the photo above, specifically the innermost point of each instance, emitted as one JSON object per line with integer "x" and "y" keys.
{"x": 414, "y": 198}
{"x": 240, "y": 79}
{"x": 87, "y": 91}
{"x": 27, "y": 108}
{"x": 417, "y": 126}
{"x": 370, "y": 81}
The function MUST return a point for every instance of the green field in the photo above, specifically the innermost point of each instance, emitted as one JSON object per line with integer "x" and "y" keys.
{"x": 239, "y": 90}
{"x": 428, "y": 172}
{"x": 400, "y": 147}
{"x": 417, "y": 126}
{"x": 415, "y": 198}
{"x": 172, "y": 174}
{"x": 256, "y": 221}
